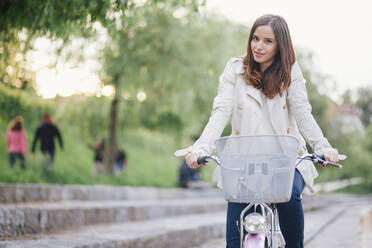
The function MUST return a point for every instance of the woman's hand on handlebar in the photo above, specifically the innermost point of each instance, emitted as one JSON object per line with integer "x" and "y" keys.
{"x": 192, "y": 160}
{"x": 331, "y": 155}
{"x": 195, "y": 160}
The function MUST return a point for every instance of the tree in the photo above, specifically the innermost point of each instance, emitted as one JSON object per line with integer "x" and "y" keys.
{"x": 175, "y": 61}
{"x": 124, "y": 58}
{"x": 319, "y": 102}
{"x": 364, "y": 102}
{"x": 23, "y": 21}
{"x": 346, "y": 97}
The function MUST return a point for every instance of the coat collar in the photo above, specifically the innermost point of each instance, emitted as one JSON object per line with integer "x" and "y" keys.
{"x": 254, "y": 93}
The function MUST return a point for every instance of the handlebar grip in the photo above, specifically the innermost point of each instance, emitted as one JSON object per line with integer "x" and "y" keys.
{"x": 334, "y": 164}
{"x": 320, "y": 156}
{"x": 203, "y": 160}
{"x": 328, "y": 162}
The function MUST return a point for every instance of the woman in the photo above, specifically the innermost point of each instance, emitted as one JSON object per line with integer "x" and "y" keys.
{"x": 266, "y": 94}
{"x": 16, "y": 142}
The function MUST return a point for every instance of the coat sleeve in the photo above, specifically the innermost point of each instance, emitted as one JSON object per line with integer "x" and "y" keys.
{"x": 300, "y": 108}
{"x": 222, "y": 107}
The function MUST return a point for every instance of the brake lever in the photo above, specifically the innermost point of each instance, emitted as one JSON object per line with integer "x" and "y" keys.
{"x": 321, "y": 160}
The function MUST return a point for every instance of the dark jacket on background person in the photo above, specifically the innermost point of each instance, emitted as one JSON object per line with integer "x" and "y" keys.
{"x": 99, "y": 150}
{"x": 46, "y": 133}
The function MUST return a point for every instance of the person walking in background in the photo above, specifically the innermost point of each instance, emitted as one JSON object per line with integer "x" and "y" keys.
{"x": 99, "y": 149}
{"x": 120, "y": 163}
{"x": 46, "y": 132}
{"x": 120, "y": 160}
{"x": 16, "y": 142}
{"x": 187, "y": 175}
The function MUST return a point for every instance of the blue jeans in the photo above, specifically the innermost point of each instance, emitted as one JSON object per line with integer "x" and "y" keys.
{"x": 12, "y": 159}
{"x": 49, "y": 156}
{"x": 291, "y": 218}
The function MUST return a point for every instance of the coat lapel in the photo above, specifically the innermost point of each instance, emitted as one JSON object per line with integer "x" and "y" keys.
{"x": 255, "y": 94}
{"x": 270, "y": 104}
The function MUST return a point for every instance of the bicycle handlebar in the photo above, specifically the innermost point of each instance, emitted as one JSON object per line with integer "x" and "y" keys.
{"x": 203, "y": 159}
{"x": 320, "y": 159}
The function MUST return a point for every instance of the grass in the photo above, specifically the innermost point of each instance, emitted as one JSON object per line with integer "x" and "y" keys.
{"x": 149, "y": 154}
{"x": 360, "y": 189}
{"x": 150, "y": 162}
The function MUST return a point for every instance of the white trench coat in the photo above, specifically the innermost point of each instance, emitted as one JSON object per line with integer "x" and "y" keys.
{"x": 290, "y": 114}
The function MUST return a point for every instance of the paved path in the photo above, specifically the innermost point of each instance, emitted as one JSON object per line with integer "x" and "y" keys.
{"x": 345, "y": 230}
{"x": 336, "y": 224}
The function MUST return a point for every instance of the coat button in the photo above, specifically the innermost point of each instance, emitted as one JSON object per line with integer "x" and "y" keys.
{"x": 288, "y": 130}
{"x": 240, "y": 106}
{"x": 284, "y": 106}
{"x": 237, "y": 132}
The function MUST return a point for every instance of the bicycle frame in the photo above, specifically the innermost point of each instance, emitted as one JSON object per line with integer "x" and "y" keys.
{"x": 273, "y": 235}
{"x": 272, "y": 224}
{"x": 274, "y": 231}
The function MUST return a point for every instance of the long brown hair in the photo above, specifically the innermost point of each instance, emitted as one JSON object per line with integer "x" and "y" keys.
{"x": 16, "y": 124}
{"x": 277, "y": 77}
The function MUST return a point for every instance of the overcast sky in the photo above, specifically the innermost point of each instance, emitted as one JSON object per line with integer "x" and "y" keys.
{"x": 339, "y": 33}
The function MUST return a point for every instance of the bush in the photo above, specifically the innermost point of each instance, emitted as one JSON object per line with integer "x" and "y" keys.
{"x": 15, "y": 102}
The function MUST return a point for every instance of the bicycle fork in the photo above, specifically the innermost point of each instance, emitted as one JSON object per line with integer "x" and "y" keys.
{"x": 260, "y": 227}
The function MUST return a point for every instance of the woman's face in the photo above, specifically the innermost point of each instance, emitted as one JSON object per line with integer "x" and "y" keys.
{"x": 264, "y": 46}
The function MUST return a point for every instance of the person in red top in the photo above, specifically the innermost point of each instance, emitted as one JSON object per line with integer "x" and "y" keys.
{"x": 46, "y": 133}
{"x": 16, "y": 142}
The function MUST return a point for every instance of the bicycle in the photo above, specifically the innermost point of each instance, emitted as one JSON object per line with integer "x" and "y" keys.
{"x": 261, "y": 178}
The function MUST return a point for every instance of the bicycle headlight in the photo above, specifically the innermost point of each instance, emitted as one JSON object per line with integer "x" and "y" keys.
{"x": 254, "y": 223}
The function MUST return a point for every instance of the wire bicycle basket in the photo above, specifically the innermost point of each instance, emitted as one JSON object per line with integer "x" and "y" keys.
{"x": 257, "y": 168}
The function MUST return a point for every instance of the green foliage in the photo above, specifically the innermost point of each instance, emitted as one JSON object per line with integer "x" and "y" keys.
{"x": 23, "y": 21}
{"x": 87, "y": 114}
{"x": 149, "y": 163}
{"x": 367, "y": 141}
{"x": 81, "y": 120}
{"x": 361, "y": 188}
{"x": 175, "y": 60}
{"x": 53, "y": 17}
{"x": 162, "y": 58}
{"x": 364, "y": 102}
{"x": 364, "y": 156}
{"x": 319, "y": 102}
{"x": 356, "y": 147}
{"x": 27, "y": 104}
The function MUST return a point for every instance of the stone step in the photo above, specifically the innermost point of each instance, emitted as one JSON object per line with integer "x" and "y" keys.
{"x": 20, "y": 193}
{"x": 214, "y": 243}
{"x": 36, "y": 218}
{"x": 181, "y": 232}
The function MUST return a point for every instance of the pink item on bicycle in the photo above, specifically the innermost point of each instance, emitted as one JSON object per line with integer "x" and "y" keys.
{"x": 254, "y": 240}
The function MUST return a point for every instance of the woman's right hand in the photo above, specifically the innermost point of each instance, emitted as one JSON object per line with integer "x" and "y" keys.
{"x": 330, "y": 155}
{"x": 192, "y": 160}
